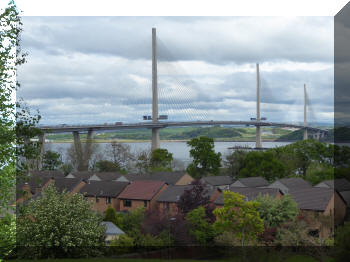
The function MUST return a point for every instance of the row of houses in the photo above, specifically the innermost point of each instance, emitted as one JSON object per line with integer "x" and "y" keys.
{"x": 163, "y": 190}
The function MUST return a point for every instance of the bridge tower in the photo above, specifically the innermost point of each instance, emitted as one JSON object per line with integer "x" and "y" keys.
{"x": 258, "y": 128}
{"x": 305, "y": 113}
{"x": 155, "y": 131}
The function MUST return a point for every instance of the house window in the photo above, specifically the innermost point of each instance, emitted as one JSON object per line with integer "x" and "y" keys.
{"x": 314, "y": 233}
{"x": 108, "y": 200}
{"x": 127, "y": 203}
{"x": 145, "y": 203}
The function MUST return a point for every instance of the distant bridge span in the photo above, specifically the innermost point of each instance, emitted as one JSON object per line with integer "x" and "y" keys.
{"x": 87, "y": 128}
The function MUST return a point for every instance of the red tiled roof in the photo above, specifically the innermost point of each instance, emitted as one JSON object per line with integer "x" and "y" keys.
{"x": 141, "y": 190}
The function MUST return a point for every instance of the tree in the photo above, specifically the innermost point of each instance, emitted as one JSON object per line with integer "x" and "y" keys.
{"x": 51, "y": 160}
{"x": 111, "y": 215}
{"x": 276, "y": 212}
{"x": 239, "y": 217}
{"x": 234, "y": 162}
{"x": 16, "y": 124}
{"x": 58, "y": 225}
{"x": 194, "y": 197}
{"x": 342, "y": 242}
{"x": 107, "y": 166}
{"x": 161, "y": 160}
{"x": 7, "y": 236}
{"x": 120, "y": 154}
{"x": 143, "y": 161}
{"x": 200, "y": 226}
{"x": 263, "y": 164}
{"x": 205, "y": 160}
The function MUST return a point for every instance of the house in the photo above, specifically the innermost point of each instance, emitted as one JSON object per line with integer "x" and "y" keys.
{"x": 69, "y": 185}
{"x": 250, "y": 182}
{"x": 179, "y": 178}
{"x": 103, "y": 193}
{"x": 250, "y": 193}
{"x": 319, "y": 204}
{"x": 221, "y": 182}
{"x": 169, "y": 198}
{"x": 112, "y": 231}
{"x": 109, "y": 176}
{"x": 27, "y": 187}
{"x": 83, "y": 175}
{"x": 141, "y": 193}
{"x": 286, "y": 184}
{"x": 341, "y": 185}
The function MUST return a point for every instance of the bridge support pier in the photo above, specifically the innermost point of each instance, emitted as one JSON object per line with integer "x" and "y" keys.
{"x": 42, "y": 149}
{"x": 258, "y": 143}
{"x": 78, "y": 151}
{"x": 155, "y": 139}
{"x": 305, "y": 114}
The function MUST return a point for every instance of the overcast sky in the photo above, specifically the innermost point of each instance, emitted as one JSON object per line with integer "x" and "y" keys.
{"x": 98, "y": 69}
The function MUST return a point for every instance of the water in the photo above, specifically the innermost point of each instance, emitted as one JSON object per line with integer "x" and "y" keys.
{"x": 180, "y": 150}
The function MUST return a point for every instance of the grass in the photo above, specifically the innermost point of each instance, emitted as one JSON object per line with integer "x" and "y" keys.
{"x": 297, "y": 258}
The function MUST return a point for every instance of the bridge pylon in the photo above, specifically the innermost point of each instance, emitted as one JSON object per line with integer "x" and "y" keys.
{"x": 258, "y": 143}
{"x": 305, "y": 114}
{"x": 155, "y": 131}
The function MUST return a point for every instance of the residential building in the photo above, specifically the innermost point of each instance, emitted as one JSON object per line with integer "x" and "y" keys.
{"x": 112, "y": 231}
{"x": 286, "y": 184}
{"x": 321, "y": 204}
{"x": 221, "y": 182}
{"x": 179, "y": 178}
{"x": 170, "y": 197}
{"x": 141, "y": 193}
{"x": 342, "y": 185}
{"x": 103, "y": 194}
{"x": 250, "y": 182}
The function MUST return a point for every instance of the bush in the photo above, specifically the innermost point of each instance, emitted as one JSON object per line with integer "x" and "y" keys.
{"x": 7, "y": 236}
{"x": 59, "y": 225}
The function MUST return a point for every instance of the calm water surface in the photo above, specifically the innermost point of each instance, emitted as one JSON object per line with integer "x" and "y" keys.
{"x": 180, "y": 150}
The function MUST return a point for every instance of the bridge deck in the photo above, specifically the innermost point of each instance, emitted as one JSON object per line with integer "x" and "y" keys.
{"x": 85, "y": 128}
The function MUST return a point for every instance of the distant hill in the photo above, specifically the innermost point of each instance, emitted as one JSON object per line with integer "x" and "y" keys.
{"x": 299, "y": 135}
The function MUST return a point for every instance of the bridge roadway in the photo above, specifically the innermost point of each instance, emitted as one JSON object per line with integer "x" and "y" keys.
{"x": 86, "y": 128}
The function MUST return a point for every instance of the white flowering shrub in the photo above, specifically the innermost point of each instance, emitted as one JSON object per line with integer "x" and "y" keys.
{"x": 58, "y": 225}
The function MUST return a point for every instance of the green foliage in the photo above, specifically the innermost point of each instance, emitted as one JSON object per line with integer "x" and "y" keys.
{"x": 7, "y": 236}
{"x": 234, "y": 162}
{"x": 143, "y": 161}
{"x": 317, "y": 173}
{"x": 131, "y": 222}
{"x": 205, "y": 160}
{"x": 265, "y": 164}
{"x": 161, "y": 160}
{"x": 107, "y": 166}
{"x": 200, "y": 227}
{"x": 342, "y": 242}
{"x": 51, "y": 160}
{"x": 123, "y": 244}
{"x": 58, "y": 225}
{"x": 111, "y": 215}
{"x": 275, "y": 212}
{"x": 294, "y": 234}
{"x": 67, "y": 168}
{"x": 239, "y": 217}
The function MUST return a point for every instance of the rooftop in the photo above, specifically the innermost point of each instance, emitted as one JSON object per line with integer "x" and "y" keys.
{"x": 103, "y": 188}
{"x": 141, "y": 190}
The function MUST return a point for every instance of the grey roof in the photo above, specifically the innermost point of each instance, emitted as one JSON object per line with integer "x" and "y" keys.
{"x": 294, "y": 182}
{"x": 341, "y": 184}
{"x": 346, "y": 196}
{"x": 83, "y": 174}
{"x": 218, "y": 180}
{"x": 112, "y": 229}
{"x": 67, "y": 184}
{"x": 171, "y": 178}
{"x": 173, "y": 193}
{"x": 48, "y": 173}
{"x": 254, "y": 181}
{"x": 108, "y": 176}
{"x": 250, "y": 193}
{"x": 314, "y": 198}
{"x": 34, "y": 181}
{"x": 103, "y": 188}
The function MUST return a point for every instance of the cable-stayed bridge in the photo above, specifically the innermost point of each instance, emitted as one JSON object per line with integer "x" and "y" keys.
{"x": 157, "y": 121}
